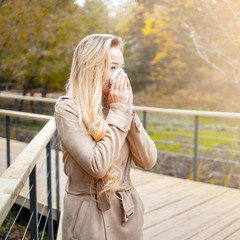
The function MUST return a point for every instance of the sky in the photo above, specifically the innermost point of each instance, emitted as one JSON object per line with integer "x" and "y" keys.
{"x": 113, "y": 2}
{"x": 80, "y": 2}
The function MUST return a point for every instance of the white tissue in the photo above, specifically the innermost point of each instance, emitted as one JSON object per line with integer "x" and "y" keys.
{"x": 115, "y": 74}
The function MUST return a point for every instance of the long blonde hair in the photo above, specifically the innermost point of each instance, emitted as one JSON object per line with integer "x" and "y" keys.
{"x": 90, "y": 67}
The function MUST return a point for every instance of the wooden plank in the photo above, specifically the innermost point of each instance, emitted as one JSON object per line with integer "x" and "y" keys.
{"x": 219, "y": 228}
{"x": 23, "y": 165}
{"x": 161, "y": 185}
{"x": 28, "y": 98}
{"x": 170, "y": 194}
{"x": 42, "y": 184}
{"x": 15, "y": 147}
{"x": 190, "y": 219}
{"x": 19, "y": 171}
{"x": 25, "y": 115}
{"x": 189, "y": 112}
{"x": 179, "y": 202}
{"x": 179, "y": 230}
{"x": 194, "y": 188}
{"x": 146, "y": 177}
{"x": 8, "y": 190}
{"x": 234, "y": 235}
{"x": 139, "y": 108}
{"x": 174, "y": 208}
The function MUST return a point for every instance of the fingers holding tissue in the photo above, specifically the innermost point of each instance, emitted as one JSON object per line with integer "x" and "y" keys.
{"x": 117, "y": 83}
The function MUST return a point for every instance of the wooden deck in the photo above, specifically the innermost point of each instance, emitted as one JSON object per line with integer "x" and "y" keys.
{"x": 175, "y": 209}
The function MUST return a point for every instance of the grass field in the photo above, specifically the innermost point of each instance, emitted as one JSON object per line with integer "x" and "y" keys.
{"x": 218, "y": 147}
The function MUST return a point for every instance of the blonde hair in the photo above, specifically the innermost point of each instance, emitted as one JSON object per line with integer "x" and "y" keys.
{"x": 90, "y": 67}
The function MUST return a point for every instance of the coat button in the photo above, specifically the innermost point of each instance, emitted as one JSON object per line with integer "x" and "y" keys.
{"x": 124, "y": 162}
{"x": 125, "y": 127}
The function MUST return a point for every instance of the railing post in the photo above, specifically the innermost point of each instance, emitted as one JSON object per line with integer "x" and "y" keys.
{"x": 16, "y": 120}
{"x": 145, "y": 120}
{"x": 49, "y": 192}
{"x": 40, "y": 112}
{"x": 8, "y": 140}
{"x": 33, "y": 204}
{"x": 57, "y": 177}
{"x": 195, "y": 163}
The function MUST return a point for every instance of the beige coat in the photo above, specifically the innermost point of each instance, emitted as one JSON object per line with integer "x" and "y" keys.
{"x": 86, "y": 214}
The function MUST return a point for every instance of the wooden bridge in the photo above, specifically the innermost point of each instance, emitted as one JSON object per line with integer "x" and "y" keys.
{"x": 175, "y": 209}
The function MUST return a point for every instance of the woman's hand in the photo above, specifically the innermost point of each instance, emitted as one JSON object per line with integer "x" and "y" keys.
{"x": 117, "y": 93}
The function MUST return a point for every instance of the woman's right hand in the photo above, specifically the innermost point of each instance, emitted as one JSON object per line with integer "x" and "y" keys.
{"x": 117, "y": 93}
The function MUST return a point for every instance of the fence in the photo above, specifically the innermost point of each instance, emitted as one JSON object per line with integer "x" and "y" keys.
{"x": 24, "y": 167}
{"x": 216, "y": 144}
{"x": 190, "y": 149}
{"x": 15, "y": 176}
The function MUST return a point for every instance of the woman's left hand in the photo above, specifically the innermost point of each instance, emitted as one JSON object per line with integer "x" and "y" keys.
{"x": 117, "y": 91}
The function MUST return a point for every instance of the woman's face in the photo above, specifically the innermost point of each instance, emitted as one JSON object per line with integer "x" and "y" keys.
{"x": 117, "y": 61}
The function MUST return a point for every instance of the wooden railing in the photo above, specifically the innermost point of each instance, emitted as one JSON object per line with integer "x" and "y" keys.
{"x": 139, "y": 108}
{"x": 145, "y": 110}
{"x": 15, "y": 176}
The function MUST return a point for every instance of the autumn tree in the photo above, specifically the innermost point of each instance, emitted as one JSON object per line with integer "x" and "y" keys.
{"x": 37, "y": 39}
{"x": 171, "y": 43}
{"x": 214, "y": 33}
{"x": 156, "y": 51}
{"x": 139, "y": 49}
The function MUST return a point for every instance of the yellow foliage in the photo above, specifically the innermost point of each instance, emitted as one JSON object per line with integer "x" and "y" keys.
{"x": 179, "y": 64}
{"x": 190, "y": 176}
{"x": 160, "y": 34}
{"x": 159, "y": 56}
{"x": 148, "y": 27}
{"x": 228, "y": 178}
{"x": 12, "y": 134}
{"x": 212, "y": 181}
{"x": 160, "y": 24}
{"x": 189, "y": 4}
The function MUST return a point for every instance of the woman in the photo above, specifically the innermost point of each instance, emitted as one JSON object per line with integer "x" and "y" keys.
{"x": 101, "y": 135}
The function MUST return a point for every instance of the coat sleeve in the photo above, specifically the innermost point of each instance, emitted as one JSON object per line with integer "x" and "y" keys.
{"x": 94, "y": 157}
{"x": 142, "y": 147}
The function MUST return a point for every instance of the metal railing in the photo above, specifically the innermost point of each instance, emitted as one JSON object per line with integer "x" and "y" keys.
{"x": 17, "y": 172}
{"x": 15, "y": 176}
{"x": 195, "y": 135}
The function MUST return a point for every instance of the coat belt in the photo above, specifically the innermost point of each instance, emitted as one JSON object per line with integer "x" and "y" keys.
{"x": 123, "y": 192}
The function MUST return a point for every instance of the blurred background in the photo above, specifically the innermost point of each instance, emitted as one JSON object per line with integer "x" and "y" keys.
{"x": 178, "y": 53}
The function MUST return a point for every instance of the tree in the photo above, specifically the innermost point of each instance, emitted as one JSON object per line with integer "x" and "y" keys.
{"x": 216, "y": 37}
{"x": 37, "y": 39}
{"x": 170, "y": 42}
{"x": 139, "y": 49}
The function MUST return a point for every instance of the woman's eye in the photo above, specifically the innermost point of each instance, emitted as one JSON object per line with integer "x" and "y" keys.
{"x": 113, "y": 67}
